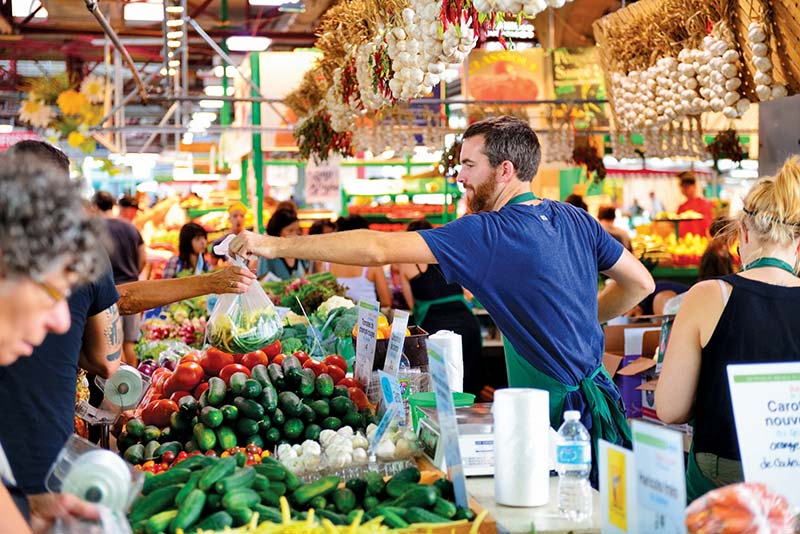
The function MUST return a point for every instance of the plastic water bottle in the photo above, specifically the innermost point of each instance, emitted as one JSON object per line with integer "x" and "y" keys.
{"x": 574, "y": 463}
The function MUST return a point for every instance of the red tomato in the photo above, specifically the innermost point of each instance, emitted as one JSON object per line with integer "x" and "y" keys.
{"x": 159, "y": 379}
{"x": 278, "y": 359}
{"x": 157, "y": 412}
{"x": 168, "y": 457}
{"x": 178, "y": 395}
{"x": 251, "y": 359}
{"x": 193, "y": 356}
{"x": 228, "y": 371}
{"x": 318, "y": 367}
{"x": 237, "y": 358}
{"x": 358, "y": 397}
{"x": 272, "y": 350}
{"x": 336, "y": 373}
{"x": 349, "y": 383}
{"x": 201, "y": 387}
{"x": 301, "y": 355}
{"x": 338, "y": 361}
{"x": 215, "y": 360}
{"x": 187, "y": 376}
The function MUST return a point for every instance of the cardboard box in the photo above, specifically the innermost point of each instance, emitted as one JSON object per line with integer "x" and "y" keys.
{"x": 632, "y": 347}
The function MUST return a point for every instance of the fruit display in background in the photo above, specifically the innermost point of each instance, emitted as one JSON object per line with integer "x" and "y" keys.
{"x": 669, "y": 250}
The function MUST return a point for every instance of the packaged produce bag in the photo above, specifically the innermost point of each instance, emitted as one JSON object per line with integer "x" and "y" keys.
{"x": 242, "y": 323}
{"x": 743, "y": 508}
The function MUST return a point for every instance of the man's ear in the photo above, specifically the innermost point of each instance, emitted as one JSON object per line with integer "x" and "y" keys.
{"x": 506, "y": 172}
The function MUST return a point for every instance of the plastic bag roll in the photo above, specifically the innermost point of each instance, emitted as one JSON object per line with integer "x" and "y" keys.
{"x": 521, "y": 447}
{"x": 453, "y": 355}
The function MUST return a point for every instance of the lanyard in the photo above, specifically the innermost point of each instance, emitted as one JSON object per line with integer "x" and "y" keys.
{"x": 524, "y": 197}
{"x": 770, "y": 262}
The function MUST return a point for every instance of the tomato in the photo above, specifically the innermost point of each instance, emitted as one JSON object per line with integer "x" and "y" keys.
{"x": 301, "y": 355}
{"x": 215, "y": 360}
{"x": 193, "y": 356}
{"x": 201, "y": 387}
{"x": 358, "y": 397}
{"x": 228, "y": 370}
{"x": 168, "y": 457}
{"x": 157, "y": 412}
{"x": 251, "y": 359}
{"x": 237, "y": 358}
{"x": 316, "y": 366}
{"x": 338, "y": 361}
{"x": 336, "y": 373}
{"x": 211, "y": 453}
{"x": 278, "y": 359}
{"x": 187, "y": 376}
{"x": 159, "y": 379}
{"x": 272, "y": 350}
{"x": 178, "y": 395}
{"x": 349, "y": 383}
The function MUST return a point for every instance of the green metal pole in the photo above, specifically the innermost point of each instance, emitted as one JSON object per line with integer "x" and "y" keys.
{"x": 243, "y": 183}
{"x": 258, "y": 155}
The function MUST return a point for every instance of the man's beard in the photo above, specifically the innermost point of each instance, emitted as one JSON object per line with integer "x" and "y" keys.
{"x": 482, "y": 196}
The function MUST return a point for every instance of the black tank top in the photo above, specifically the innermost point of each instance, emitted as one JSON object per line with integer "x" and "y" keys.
{"x": 431, "y": 285}
{"x": 760, "y": 324}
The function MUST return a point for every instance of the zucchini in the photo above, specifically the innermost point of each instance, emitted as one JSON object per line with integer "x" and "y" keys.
{"x": 259, "y": 372}
{"x": 237, "y": 383}
{"x": 224, "y": 467}
{"x": 214, "y": 502}
{"x": 275, "y": 372}
{"x": 216, "y": 391}
{"x": 215, "y": 522}
{"x": 292, "y": 370}
{"x": 415, "y": 514}
{"x": 158, "y": 501}
{"x": 269, "y": 398}
{"x": 307, "y": 381}
{"x": 243, "y": 478}
{"x": 159, "y": 522}
{"x": 267, "y": 513}
{"x": 344, "y": 499}
{"x": 290, "y": 403}
{"x": 249, "y": 408}
{"x": 422, "y": 496}
{"x": 306, "y": 492}
{"x": 240, "y": 498}
{"x": 171, "y": 477}
{"x": 444, "y": 508}
{"x": 189, "y": 511}
{"x": 241, "y": 516}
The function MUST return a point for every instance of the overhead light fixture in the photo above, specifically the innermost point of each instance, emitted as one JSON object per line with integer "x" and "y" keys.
{"x": 174, "y": 9}
{"x": 171, "y": 72}
{"x": 174, "y": 44}
{"x": 24, "y": 9}
{"x": 175, "y": 35}
{"x": 211, "y": 104}
{"x": 216, "y": 90}
{"x": 230, "y": 70}
{"x": 174, "y": 23}
{"x": 143, "y": 12}
{"x": 272, "y": 3}
{"x": 247, "y": 43}
{"x": 204, "y": 116}
{"x": 6, "y": 128}
{"x": 174, "y": 63}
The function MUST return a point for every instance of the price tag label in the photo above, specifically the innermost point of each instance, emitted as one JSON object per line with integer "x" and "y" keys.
{"x": 396, "y": 341}
{"x": 446, "y": 415}
{"x": 367, "y": 334}
{"x": 322, "y": 182}
{"x": 617, "y": 496}
{"x": 393, "y": 401}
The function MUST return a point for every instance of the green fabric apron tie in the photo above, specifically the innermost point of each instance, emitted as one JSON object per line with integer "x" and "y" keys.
{"x": 422, "y": 307}
{"x": 524, "y": 197}
{"x": 697, "y": 484}
{"x": 608, "y": 419}
{"x": 770, "y": 262}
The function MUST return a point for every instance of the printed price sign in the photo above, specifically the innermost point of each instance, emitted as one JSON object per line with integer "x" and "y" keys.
{"x": 393, "y": 401}
{"x": 766, "y": 409}
{"x": 322, "y": 182}
{"x": 396, "y": 340}
{"x": 446, "y": 415}
{"x": 367, "y": 334}
{"x": 660, "y": 479}
{"x": 617, "y": 495}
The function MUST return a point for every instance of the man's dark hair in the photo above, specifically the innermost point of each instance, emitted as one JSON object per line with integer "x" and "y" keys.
{"x": 606, "y": 213}
{"x": 185, "y": 249}
{"x": 509, "y": 139}
{"x": 351, "y": 222}
{"x": 687, "y": 178}
{"x": 419, "y": 224}
{"x": 577, "y": 201}
{"x": 280, "y": 220}
{"x": 44, "y": 151}
{"x": 128, "y": 201}
{"x": 319, "y": 226}
{"x": 103, "y": 200}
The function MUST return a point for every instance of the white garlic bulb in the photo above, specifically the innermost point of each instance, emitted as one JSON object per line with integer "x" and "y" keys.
{"x": 742, "y": 106}
{"x": 757, "y": 35}
{"x": 730, "y": 56}
{"x": 733, "y": 84}
{"x": 763, "y": 92}
{"x": 729, "y": 70}
{"x": 759, "y": 49}
{"x": 717, "y": 104}
{"x": 730, "y": 98}
{"x": 762, "y": 78}
{"x": 762, "y": 63}
{"x": 779, "y": 91}
{"x": 730, "y": 112}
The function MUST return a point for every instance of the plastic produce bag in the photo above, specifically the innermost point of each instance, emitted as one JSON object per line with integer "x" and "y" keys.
{"x": 744, "y": 508}
{"x": 242, "y": 323}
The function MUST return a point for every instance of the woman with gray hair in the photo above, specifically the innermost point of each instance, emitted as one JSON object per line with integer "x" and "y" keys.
{"x": 48, "y": 244}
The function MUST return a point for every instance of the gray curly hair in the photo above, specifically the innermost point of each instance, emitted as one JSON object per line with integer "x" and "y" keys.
{"x": 43, "y": 221}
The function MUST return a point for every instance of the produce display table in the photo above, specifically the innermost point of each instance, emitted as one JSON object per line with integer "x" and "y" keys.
{"x": 542, "y": 519}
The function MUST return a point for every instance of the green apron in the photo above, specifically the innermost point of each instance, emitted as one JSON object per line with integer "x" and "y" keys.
{"x": 697, "y": 484}
{"x": 422, "y": 307}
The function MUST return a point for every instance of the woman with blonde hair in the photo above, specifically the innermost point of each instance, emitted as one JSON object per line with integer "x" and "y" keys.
{"x": 749, "y": 317}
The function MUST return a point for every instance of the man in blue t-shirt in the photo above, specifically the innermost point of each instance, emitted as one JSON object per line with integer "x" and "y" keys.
{"x": 532, "y": 263}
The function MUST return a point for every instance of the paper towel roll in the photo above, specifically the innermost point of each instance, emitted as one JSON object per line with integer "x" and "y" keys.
{"x": 453, "y": 355}
{"x": 521, "y": 451}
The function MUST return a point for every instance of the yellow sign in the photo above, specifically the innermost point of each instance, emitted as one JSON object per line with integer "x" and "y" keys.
{"x": 617, "y": 484}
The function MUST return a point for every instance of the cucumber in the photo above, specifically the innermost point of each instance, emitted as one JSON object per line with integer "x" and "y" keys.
{"x": 278, "y": 417}
{"x": 259, "y": 372}
{"x": 444, "y": 508}
{"x": 293, "y": 428}
{"x": 321, "y": 408}
{"x": 267, "y": 513}
{"x": 229, "y": 413}
{"x": 272, "y": 436}
{"x": 421, "y": 495}
{"x": 278, "y": 488}
{"x": 269, "y": 398}
{"x": 312, "y": 432}
{"x": 203, "y": 400}
{"x": 323, "y": 486}
{"x": 147, "y": 506}
{"x": 332, "y": 423}
{"x": 252, "y": 388}
{"x": 189, "y": 511}
{"x": 255, "y": 439}
{"x": 445, "y": 488}
{"x": 265, "y": 424}
{"x": 341, "y": 405}
{"x": 260, "y": 483}
{"x": 354, "y": 420}
{"x": 333, "y": 517}
{"x": 211, "y": 417}
{"x": 270, "y": 498}
{"x": 241, "y": 459}
{"x": 370, "y": 502}
{"x": 214, "y": 502}
{"x": 241, "y": 516}
{"x": 275, "y": 372}
{"x": 204, "y": 437}
{"x": 307, "y": 382}
{"x": 246, "y": 426}
{"x": 237, "y": 383}
{"x": 390, "y": 518}
{"x": 464, "y": 513}
{"x": 215, "y": 522}
{"x": 324, "y": 385}
{"x": 224, "y": 467}
{"x": 415, "y": 514}
{"x": 240, "y": 498}
{"x": 179, "y": 422}
{"x": 167, "y": 435}
{"x": 226, "y": 437}
{"x": 375, "y": 483}
{"x": 190, "y": 485}
{"x": 307, "y": 414}
{"x": 291, "y": 481}
{"x": 340, "y": 391}
{"x": 171, "y": 446}
{"x": 125, "y": 440}
{"x": 159, "y": 522}
{"x": 290, "y": 403}
{"x": 176, "y": 475}
{"x": 134, "y": 454}
{"x": 135, "y": 427}
{"x": 318, "y": 503}
{"x": 243, "y": 478}
{"x": 150, "y": 449}
{"x": 216, "y": 391}
{"x": 344, "y": 499}
{"x": 291, "y": 365}
{"x": 249, "y": 408}
{"x": 358, "y": 487}
{"x": 275, "y": 473}
{"x": 198, "y": 461}
{"x": 151, "y": 432}
{"x": 188, "y": 406}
